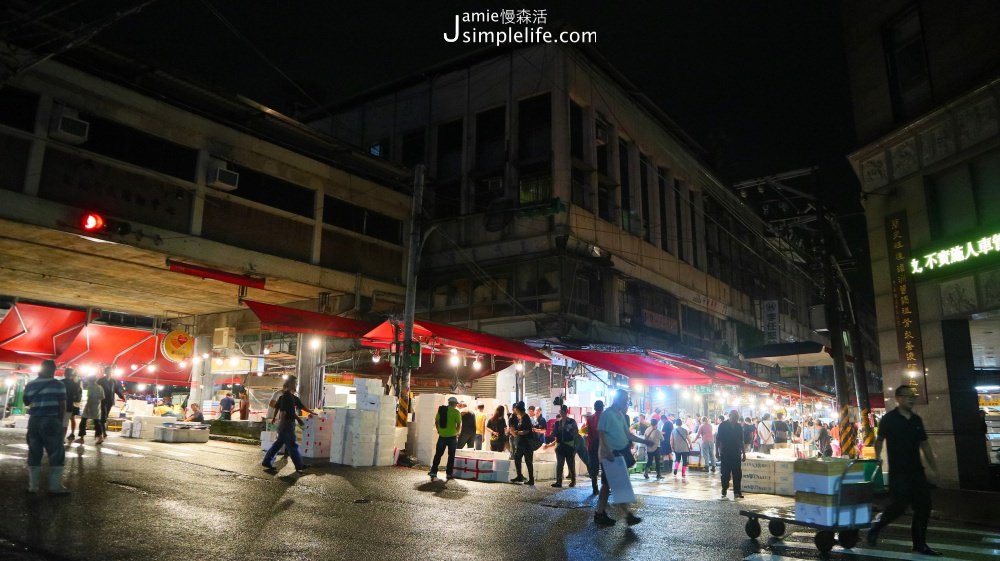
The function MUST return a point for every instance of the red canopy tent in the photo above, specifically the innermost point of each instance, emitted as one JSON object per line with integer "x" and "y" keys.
{"x": 639, "y": 368}
{"x": 281, "y": 318}
{"x": 717, "y": 375}
{"x": 40, "y": 330}
{"x": 121, "y": 348}
{"x": 442, "y": 336}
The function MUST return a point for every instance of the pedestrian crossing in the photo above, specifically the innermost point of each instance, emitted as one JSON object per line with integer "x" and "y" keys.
{"x": 956, "y": 544}
{"x": 701, "y": 486}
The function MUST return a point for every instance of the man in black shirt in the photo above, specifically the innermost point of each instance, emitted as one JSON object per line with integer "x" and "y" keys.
{"x": 467, "y": 437}
{"x": 729, "y": 449}
{"x": 904, "y": 431}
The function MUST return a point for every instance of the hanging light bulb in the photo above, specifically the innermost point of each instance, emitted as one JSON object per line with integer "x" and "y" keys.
{"x": 519, "y": 366}
{"x": 183, "y": 364}
{"x": 284, "y": 376}
{"x": 234, "y": 361}
{"x": 140, "y": 387}
{"x": 219, "y": 361}
{"x": 159, "y": 387}
{"x": 135, "y": 367}
{"x": 196, "y": 359}
{"x": 454, "y": 358}
{"x": 267, "y": 350}
{"x": 36, "y": 369}
{"x": 151, "y": 368}
{"x": 205, "y": 356}
{"x": 476, "y": 365}
{"x": 376, "y": 356}
{"x": 314, "y": 343}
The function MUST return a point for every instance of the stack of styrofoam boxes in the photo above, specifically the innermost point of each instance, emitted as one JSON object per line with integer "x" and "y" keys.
{"x": 316, "y": 435}
{"x": 422, "y": 438}
{"x": 784, "y": 478}
{"x": 816, "y": 493}
{"x": 144, "y": 427}
{"x": 476, "y": 468}
{"x": 138, "y": 407}
{"x": 333, "y": 397}
{"x": 385, "y": 432}
{"x": 758, "y": 476}
{"x": 399, "y": 443}
{"x": 339, "y": 434}
{"x": 359, "y": 442}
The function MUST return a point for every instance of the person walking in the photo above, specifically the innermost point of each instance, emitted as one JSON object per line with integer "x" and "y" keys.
{"x": 666, "y": 451}
{"x": 706, "y": 433}
{"x": 823, "y": 440}
{"x": 286, "y": 416}
{"x": 749, "y": 432}
{"x": 765, "y": 434}
{"x": 904, "y": 432}
{"x": 244, "y": 408}
{"x": 497, "y": 425}
{"x": 780, "y": 429}
{"x": 111, "y": 390}
{"x": 46, "y": 400}
{"x": 564, "y": 434}
{"x": 615, "y": 439}
{"x": 527, "y": 441}
{"x": 74, "y": 397}
{"x": 593, "y": 443}
{"x": 448, "y": 422}
{"x": 681, "y": 445}
{"x": 480, "y": 425}
{"x": 93, "y": 410}
{"x": 731, "y": 453}
{"x": 467, "y": 436}
{"x": 654, "y": 437}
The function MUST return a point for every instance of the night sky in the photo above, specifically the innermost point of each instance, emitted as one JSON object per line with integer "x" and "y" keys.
{"x": 762, "y": 86}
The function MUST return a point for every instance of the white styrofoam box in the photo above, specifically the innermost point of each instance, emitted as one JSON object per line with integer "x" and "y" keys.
{"x": 821, "y": 475}
{"x": 184, "y": 435}
{"x": 784, "y": 489}
{"x": 818, "y": 508}
{"x": 127, "y": 428}
{"x": 784, "y": 467}
{"x": 752, "y": 486}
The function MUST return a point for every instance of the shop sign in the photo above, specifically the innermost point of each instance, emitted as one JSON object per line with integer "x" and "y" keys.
{"x": 904, "y": 304}
{"x": 338, "y": 378}
{"x": 963, "y": 252}
{"x": 177, "y": 346}
{"x": 991, "y": 400}
{"x": 659, "y": 321}
{"x": 710, "y": 304}
{"x": 772, "y": 331}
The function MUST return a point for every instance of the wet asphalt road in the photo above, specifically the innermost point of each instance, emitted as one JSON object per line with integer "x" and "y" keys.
{"x": 140, "y": 500}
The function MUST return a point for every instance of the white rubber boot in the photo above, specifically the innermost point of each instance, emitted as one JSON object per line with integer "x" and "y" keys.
{"x": 55, "y": 481}
{"x": 34, "y": 475}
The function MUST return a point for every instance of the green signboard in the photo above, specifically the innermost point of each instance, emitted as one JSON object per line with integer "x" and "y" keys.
{"x": 962, "y": 253}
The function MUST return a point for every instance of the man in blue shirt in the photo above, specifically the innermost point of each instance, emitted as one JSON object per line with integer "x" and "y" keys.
{"x": 46, "y": 398}
{"x": 226, "y": 405}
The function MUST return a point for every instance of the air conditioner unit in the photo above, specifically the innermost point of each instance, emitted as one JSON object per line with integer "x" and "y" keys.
{"x": 220, "y": 177}
{"x": 224, "y": 338}
{"x": 601, "y": 136}
{"x": 67, "y": 126}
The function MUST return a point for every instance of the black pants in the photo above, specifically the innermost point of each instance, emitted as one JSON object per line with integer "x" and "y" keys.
{"x": 99, "y": 429}
{"x": 653, "y": 459}
{"x": 448, "y": 442}
{"x": 731, "y": 465}
{"x": 565, "y": 454}
{"x": 466, "y": 440}
{"x": 226, "y": 415}
{"x": 594, "y": 465}
{"x": 105, "y": 409}
{"x": 909, "y": 489}
{"x": 524, "y": 450}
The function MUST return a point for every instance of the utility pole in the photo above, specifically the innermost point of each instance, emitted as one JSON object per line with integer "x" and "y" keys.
{"x": 403, "y": 361}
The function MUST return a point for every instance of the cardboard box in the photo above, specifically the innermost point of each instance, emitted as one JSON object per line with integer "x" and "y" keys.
{"x": 817, "y": 508}
{"x": 821, "y": 475}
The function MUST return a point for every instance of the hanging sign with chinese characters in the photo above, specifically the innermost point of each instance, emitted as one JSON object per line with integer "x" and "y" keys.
{"x": 961, "y": 253}
{"x": 904, "y": 304}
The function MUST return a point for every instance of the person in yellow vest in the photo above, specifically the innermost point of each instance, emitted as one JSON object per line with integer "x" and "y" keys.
{"x": 448, "y": 422}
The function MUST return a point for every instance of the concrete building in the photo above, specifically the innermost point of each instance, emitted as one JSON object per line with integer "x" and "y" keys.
{"x": 925, "y": 81}
{"x": 568, "y": 209}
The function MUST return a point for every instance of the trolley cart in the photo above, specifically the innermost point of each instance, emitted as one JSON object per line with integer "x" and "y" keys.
{"x": 826, "y": 535}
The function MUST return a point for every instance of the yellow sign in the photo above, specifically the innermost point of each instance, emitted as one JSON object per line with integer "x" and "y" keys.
{"x": 177, "y": 346}
{"x": 990, "y": 400}
{"x": 338, "y": 379}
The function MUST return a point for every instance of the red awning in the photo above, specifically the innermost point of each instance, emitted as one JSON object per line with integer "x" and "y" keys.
{"x": 436, "y": 334}
{"x": 639, "y": 368}
{"x": 875, "y": 400}
{"x": 12, "y": 357}
{"x": 122, "y": 348}
{"x": 40, "y": 330}
{"x": 716, "y": 374}
{"x": 291, "y": 320}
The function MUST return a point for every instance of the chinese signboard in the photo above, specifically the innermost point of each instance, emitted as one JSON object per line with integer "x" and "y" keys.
{"x": 959, "y": 253}
{"x": 772, "y": 330}
{"x": 659, "y": 321}
{"x": 904, "y": 304}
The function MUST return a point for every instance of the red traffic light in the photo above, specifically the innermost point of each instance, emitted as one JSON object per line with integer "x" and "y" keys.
{"x": 92, "y": 222}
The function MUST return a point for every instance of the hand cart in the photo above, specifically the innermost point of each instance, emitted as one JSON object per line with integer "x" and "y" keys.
{"x": 777, "y": 519}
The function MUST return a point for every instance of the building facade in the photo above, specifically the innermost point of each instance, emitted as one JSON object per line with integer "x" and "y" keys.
{"x": 565, "y": 208}
{"x": 926, "y": 87}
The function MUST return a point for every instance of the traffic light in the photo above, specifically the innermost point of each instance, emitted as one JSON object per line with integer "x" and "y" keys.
{"x": 95, "y": 223}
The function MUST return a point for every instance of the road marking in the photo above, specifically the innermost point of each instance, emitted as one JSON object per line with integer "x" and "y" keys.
{"x": 882, "y": 553}
{"x": 934, "y": 529}
{"x": 177, "y": 454}
{"x": 9, "y": 457}
{"x": 21, "y": 446}
{"x": 135, "y": 446}
{"x": 946, "y": 547}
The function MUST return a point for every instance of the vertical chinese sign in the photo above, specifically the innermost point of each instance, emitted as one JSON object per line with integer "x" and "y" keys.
{"x": 772, "y": 329}
{"x": 904, "y": 305}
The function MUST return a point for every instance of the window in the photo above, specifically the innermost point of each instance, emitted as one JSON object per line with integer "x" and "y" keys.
{"x": 626, "y": 186}
{"x": 18, "y": 108}
{"x": 965, "y": 196}
{"x": 605, "y": 202}
{"x": 602, "y": 134}
{"x": 693, "y": 196}
{"x": 534, "y": 127}
{"x": 577, "y": 149}
{"x": 580, "y": 189}
{"x": 663, "y": 181}
{"x": 680, "y": 205}
{"x": 271, "y": 191}
{"x": 449, "y": 148}
{"x": 414, "y": 148}
{"x": 985, "y": 181}
{"x": 535, "y": 188}
{"x": 487, "y": 190}
{"x": 490, "y": 139}
{"x": 644, "y": 167}
{"x": 136, "y": 147}
{"x": 380, "y": 148}
{"x": 909, "y": 79}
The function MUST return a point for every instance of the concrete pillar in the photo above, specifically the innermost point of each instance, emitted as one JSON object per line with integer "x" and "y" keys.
{"x": 200, "y": 370}
{"x": 308, "y": 369}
